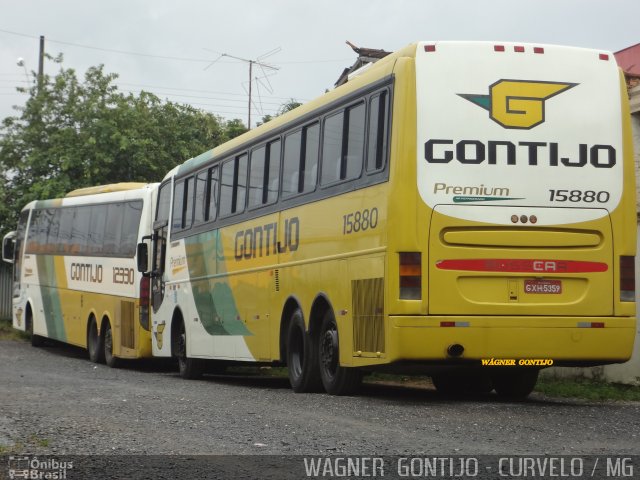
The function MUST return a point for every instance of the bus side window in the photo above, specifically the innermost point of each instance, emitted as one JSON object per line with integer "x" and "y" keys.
{"x": 130, "y": 226}
{"x": 95, "y": 242}
{"x": 310, "y": 157}
{"x": 291, "y": 164}
{"x": 52, "y": 234}
{"x": 257, "y": 176}
{"x": 201, "y": 198}
{"x": 212, "y": 209}
{"x": 178, "y": 206}
{"x": 113, "y": 229}
{"x": 80, "y": 230}
{"x": 343, "y": 145}
{"x": 164, "y": 201}
{"x": 64, "y": 233}
{"x": 264, "y": 174}
{"x": 233, "y": 188}
{"x": 378, "y": 131}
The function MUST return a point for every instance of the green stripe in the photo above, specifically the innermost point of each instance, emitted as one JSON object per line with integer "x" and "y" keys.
{"x": 50, "y": 297}
{"x": 213, "y": 297}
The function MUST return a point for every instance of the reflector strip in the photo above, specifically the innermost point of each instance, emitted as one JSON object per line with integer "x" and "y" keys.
{"x": 541, "y": 266}
{"x": 454, "y": 324}
{"x": 590, "y": 324}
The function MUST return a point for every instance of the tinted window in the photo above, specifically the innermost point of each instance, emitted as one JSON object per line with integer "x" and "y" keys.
{"x": 130, "y": 226}
{"x": 201, "y": 198}
{"x": 113, "y": 228}
{"x": 310, "y": 157}
{"x": 240, "y": 183}
{"x": 96, "y": 228}
{"x": 264, "y": 174}
{"x": 355, "y": 142}
{"x": 343, "y": 145}
{"x": 178, "y": 206}
{"x": 377, "y": 145}
{"x": 257, "y": 176}
{"x": 226, "y": 187}
{"x": 332, "y": 148}
{"x": 291, "y": 164}
{"x": 66, "y": 225}
{"x": 164, "y": 200}
{"x": 188, "y": 208}
{"x": 214, "y": 188}
{"x": 80, "y": 230}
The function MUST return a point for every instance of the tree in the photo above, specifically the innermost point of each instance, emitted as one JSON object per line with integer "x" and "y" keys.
{"x": 284, "y": 108}
{"x": 75, "y": 133}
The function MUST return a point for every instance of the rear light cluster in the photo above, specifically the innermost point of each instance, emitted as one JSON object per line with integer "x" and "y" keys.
{"x": 144, "y": 302}
{"x": 410, "y": 275}
{"x": 627, "y": 279}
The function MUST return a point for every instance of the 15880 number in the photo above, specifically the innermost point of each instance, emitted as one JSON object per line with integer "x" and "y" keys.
{"x": 360, "y": 221}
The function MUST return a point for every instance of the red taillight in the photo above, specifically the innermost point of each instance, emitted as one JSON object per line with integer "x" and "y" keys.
{"x": 538, "y": 50}
{"x": 627, "y": 279}
{"x": 145, "y": 283}
{"x": 603, "y": 56}
{"x": 498, "y": 48}
{"x": 518, "y": 49}
{"x": 429, "y": 48}
{"x": 410, "y": 275}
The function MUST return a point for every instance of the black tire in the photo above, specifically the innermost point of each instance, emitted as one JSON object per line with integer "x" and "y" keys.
{"x": 94, "y": 342}
{"x": 189, "y": 368}
{"x": 515, "y": 383}
{"x": 302, "y": 357}
{"x": 462, "y": 383}
{"x": 336, "y": 380}
{"x": 107, "y": 342}
{"x": 36, "y": 340}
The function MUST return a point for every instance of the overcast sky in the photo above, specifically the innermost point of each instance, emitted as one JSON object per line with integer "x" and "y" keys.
{"x": 308, "y": 36}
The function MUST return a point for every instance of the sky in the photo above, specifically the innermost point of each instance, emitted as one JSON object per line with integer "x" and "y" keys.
{"x": 175, "y": 48}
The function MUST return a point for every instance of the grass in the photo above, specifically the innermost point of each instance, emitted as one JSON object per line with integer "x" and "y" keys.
{"x": 7, "y": 332}
{"x": 587, "y": 389}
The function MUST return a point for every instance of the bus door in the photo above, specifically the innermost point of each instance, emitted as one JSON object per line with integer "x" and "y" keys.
{"x": 158, "y": 267}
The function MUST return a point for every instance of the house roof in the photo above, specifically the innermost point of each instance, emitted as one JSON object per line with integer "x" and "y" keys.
{"x": 629, "y": 60}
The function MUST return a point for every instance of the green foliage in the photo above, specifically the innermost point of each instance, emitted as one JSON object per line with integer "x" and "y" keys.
{"x": 284, "y": 108}
{"x": 75, "y": 133}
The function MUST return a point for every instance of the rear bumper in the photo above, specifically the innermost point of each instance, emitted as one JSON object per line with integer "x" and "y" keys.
{"x": 561, "y": 339}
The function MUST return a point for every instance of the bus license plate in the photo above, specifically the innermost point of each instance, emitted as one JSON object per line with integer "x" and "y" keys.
{"x": 543, "y": 286}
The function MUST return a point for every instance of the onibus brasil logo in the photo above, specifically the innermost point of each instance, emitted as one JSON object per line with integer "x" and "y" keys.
{"x": 518, "y": 103}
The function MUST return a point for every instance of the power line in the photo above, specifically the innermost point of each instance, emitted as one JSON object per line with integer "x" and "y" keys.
{"x": 150, "y": 55}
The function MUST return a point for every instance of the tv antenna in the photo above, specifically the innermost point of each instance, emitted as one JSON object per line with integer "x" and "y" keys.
{"x": 259, "y": 62}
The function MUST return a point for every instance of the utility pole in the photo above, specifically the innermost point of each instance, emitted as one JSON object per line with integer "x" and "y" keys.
{"x": 41, "y": 64}
{"x": 251, "y": 63}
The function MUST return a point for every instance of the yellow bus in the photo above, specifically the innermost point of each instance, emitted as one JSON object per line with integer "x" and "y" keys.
{"x": 462, "y": 209}
{"x": 75, "y": 276}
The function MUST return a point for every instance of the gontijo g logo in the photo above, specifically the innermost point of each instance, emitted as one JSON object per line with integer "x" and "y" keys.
{"x": 518, "y": 103}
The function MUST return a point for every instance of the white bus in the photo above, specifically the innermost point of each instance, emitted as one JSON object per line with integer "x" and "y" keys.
{"x": 75, "y": 277}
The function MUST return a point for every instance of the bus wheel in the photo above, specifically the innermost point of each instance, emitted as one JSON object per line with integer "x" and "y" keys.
{"x": 302, "y": 359}
{"x": 515, "y": 383}
{"x": 36, "y": 340}
{"x": 337, "y": 380}
{"x": 94, "y": 343}
{"x": 109, "y": 357}
{"x": 190, "y": 368}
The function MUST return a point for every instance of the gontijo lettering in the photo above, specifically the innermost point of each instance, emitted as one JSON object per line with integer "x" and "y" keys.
{"x": 263, "y": 240}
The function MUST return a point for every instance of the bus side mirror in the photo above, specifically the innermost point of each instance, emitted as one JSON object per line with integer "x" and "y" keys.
{"x": 142, "y": 256}
{"x": 9, "y": 247}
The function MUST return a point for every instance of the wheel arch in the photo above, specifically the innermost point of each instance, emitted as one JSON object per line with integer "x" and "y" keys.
{"x": 176, "y": 317}
{"x": 290, "y": 306}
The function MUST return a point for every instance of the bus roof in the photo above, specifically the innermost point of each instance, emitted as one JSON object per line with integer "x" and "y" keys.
{"x": 113, "y": 187}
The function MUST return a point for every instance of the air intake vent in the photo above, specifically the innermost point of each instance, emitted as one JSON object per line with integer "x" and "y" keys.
{"x": 368, "y": 315}
{"x": 276, "y": 276}
{"x": 127, "y": 322}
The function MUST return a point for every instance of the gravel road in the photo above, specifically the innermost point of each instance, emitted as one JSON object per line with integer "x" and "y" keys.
{"x": 54, "y": 401}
